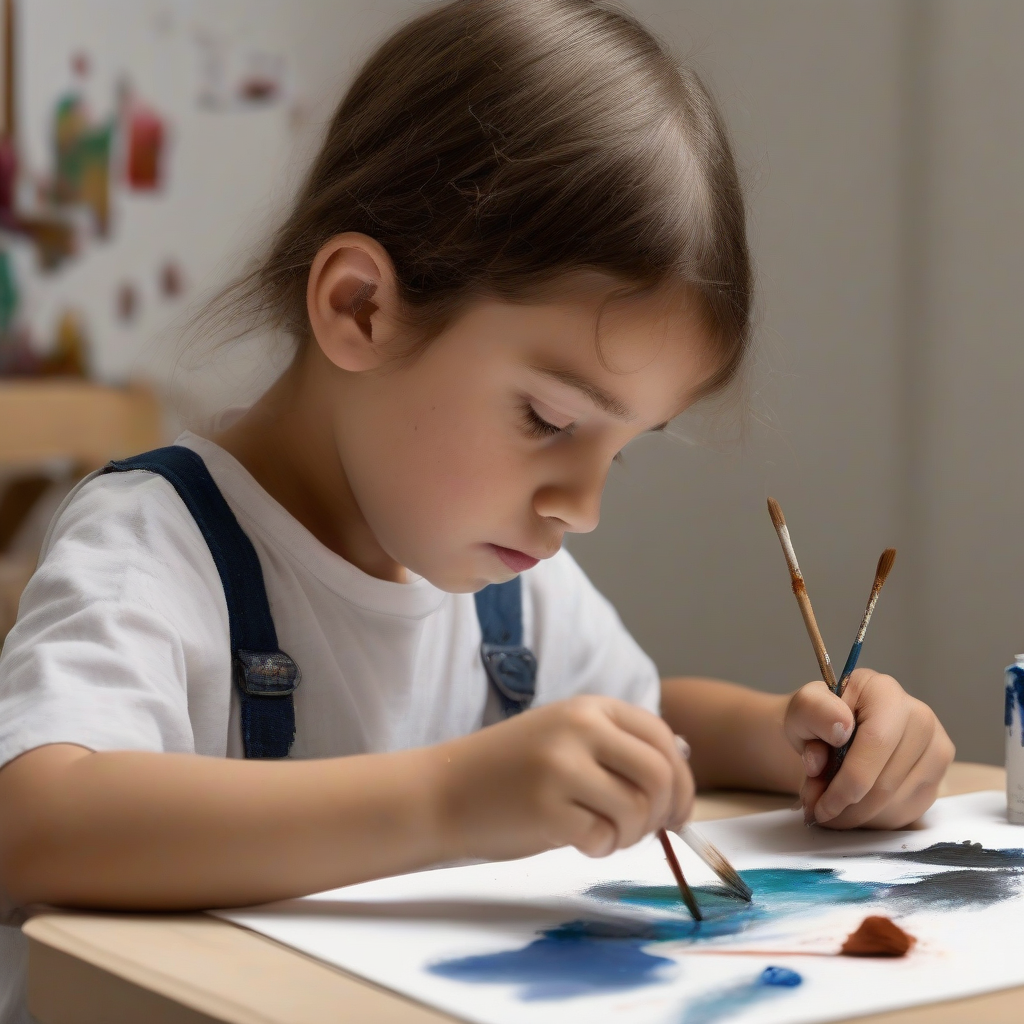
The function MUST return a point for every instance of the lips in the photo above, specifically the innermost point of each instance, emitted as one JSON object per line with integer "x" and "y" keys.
{"x": 517, "y": 561}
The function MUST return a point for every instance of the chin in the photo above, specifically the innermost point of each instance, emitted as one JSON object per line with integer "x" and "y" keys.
{"x": 468, "y": 581}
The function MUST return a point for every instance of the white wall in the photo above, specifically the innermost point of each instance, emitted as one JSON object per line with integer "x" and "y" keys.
{"x": 967, "y": 348}
{"x": 686, "y": 546}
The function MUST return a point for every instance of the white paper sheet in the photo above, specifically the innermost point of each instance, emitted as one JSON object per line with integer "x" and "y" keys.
{"x": 558, "y": 937}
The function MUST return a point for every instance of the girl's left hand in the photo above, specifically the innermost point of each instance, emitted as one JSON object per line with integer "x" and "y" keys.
{"x": 895, "y": 764}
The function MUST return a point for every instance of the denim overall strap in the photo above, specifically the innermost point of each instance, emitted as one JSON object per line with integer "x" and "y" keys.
{"x": 510, "y": 666}
{"x": 265, "y": 676}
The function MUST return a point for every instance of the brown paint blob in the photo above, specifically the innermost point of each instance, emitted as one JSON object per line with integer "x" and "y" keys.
{"x": 878, "y": 936}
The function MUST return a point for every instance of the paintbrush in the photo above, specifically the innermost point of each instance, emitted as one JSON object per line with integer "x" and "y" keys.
{"x": 717, "y": 861}
{"x": 881, "y": 573}
{"x": 684, "y": 890}
{"x": 710, "y": 854}
{"x": 800, "y": 591}
{"x": 838, "y": 754}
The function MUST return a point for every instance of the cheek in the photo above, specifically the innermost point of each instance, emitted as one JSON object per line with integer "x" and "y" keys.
{"x": 445, "y": 461}
{"x": 447, "y": 445}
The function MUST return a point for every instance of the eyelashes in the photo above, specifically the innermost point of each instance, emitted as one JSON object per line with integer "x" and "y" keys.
{"x": 538, "y": 428}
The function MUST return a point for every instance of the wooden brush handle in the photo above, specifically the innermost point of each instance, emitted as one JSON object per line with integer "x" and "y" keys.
{"x": 824, "y": 664}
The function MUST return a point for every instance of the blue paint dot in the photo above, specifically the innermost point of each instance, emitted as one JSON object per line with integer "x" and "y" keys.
{"x": 781, "y": 977}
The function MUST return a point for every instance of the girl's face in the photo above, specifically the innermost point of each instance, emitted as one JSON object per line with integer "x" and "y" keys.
{"x": 472, "y": 460}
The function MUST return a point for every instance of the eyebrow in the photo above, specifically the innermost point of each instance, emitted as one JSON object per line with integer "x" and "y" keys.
{"x": 594, "y": 392}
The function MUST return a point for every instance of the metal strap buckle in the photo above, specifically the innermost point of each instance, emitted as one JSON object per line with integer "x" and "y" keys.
{"x": 266, "y": 673}
{"x": 512, "y": 669}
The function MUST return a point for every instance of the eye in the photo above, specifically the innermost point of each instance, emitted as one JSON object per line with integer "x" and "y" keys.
{"x": 537, "y": 426}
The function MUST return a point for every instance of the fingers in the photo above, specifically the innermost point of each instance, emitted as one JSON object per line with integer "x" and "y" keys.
{"x": 591, "y": 772}
{"x": 591, "y": 834}
{"x": 644, "y": 726}
{"x": 640, "y": 766}
{"x": 919, "y": 789}
{"x": 894, "y": 766}
{"x": 632, "y": 773}
{"x": 624, "y": 806}
{"x": 883, "y": 718}
{"x": 683, "y": 790}
{"x": 815, "y": 719}
{"x": 815, "y": 757}
{"x": 810, "y": 794}
{"x": 855, "y": 797}
{"x": 642, "y": 755}
{"x": 908, "y": 784}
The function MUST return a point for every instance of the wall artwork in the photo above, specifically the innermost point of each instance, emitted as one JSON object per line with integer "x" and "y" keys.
{"x": 841, "y": 924}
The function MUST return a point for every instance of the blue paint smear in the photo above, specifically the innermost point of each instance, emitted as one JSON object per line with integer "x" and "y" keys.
{"x": 584, "y": 957}
{"x": 1014, "y": 693}
{"x": 727, "y": 1002}
{"x": 570, "y": 960}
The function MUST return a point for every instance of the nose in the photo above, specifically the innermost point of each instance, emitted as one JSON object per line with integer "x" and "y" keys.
{"x": 574, "y": 500}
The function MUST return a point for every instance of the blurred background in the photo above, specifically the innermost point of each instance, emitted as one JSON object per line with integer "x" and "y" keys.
{"x": 148, "y": 145}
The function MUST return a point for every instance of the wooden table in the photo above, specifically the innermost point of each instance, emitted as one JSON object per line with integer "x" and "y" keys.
{"x": 194, "y": 969}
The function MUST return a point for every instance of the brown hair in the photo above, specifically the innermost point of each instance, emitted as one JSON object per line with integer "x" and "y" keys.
{"x": 491, "y": 146}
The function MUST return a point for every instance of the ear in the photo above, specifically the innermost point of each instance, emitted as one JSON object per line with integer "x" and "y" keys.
{"x": 351, "y": 299}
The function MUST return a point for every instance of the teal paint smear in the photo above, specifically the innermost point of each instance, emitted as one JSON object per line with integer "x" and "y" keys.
{"x": 583, "y": 957}
{"x": 777, "y": 892}
{"x": 727, "y": 1002}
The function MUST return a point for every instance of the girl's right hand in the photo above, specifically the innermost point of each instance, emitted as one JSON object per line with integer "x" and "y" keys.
{"x": 590, "y": 772}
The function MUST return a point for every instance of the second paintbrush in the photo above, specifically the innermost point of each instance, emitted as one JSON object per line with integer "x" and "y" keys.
{"x": 838, "y": 754}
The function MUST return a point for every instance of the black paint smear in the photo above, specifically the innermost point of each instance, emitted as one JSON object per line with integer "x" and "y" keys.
{"x": 955, "y": 889}
{"x": 955, "y": 855}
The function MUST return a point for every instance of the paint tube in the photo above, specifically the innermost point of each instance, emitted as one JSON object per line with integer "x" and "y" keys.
{"x": 1013, "y": 718}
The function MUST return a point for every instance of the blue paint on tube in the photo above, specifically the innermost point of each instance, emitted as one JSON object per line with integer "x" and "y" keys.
{"x": 1014, "y": 695}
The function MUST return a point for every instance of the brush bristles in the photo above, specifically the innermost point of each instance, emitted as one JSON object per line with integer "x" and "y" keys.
{"x": 716, "y": 860}
{"x": 729, "y": 874}
{"x": 884, "y": 567}
{"x": 778, "y": 519}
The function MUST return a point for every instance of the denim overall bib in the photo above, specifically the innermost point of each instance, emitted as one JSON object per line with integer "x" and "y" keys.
{"x": 266, "y": 677}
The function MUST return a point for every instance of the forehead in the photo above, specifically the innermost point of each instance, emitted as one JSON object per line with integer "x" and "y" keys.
{"x": 649, "y": 349}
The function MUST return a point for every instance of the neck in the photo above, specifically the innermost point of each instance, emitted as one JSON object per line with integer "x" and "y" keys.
{"x": 286, "y": 442}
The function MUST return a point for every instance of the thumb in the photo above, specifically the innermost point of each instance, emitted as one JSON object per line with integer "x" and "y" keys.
{"x": 815, "y": 713}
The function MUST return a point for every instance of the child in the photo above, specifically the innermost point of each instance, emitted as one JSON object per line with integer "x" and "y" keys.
{"x": 521, "y": 246}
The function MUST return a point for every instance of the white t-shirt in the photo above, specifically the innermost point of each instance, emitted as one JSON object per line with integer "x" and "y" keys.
{"x": 122, "y": 638}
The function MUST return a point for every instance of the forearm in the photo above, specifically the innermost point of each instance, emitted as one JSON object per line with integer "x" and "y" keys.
{"x": 170, "y": 831}
{"x": 735, "y": 734}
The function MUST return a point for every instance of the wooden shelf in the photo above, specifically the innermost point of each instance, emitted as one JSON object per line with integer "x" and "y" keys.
{"x": 42, "y": 420}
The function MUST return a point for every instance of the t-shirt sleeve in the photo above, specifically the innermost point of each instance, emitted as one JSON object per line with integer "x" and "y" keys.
{"x": 580, "y": 641}
{"x": 121, "y": 614}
